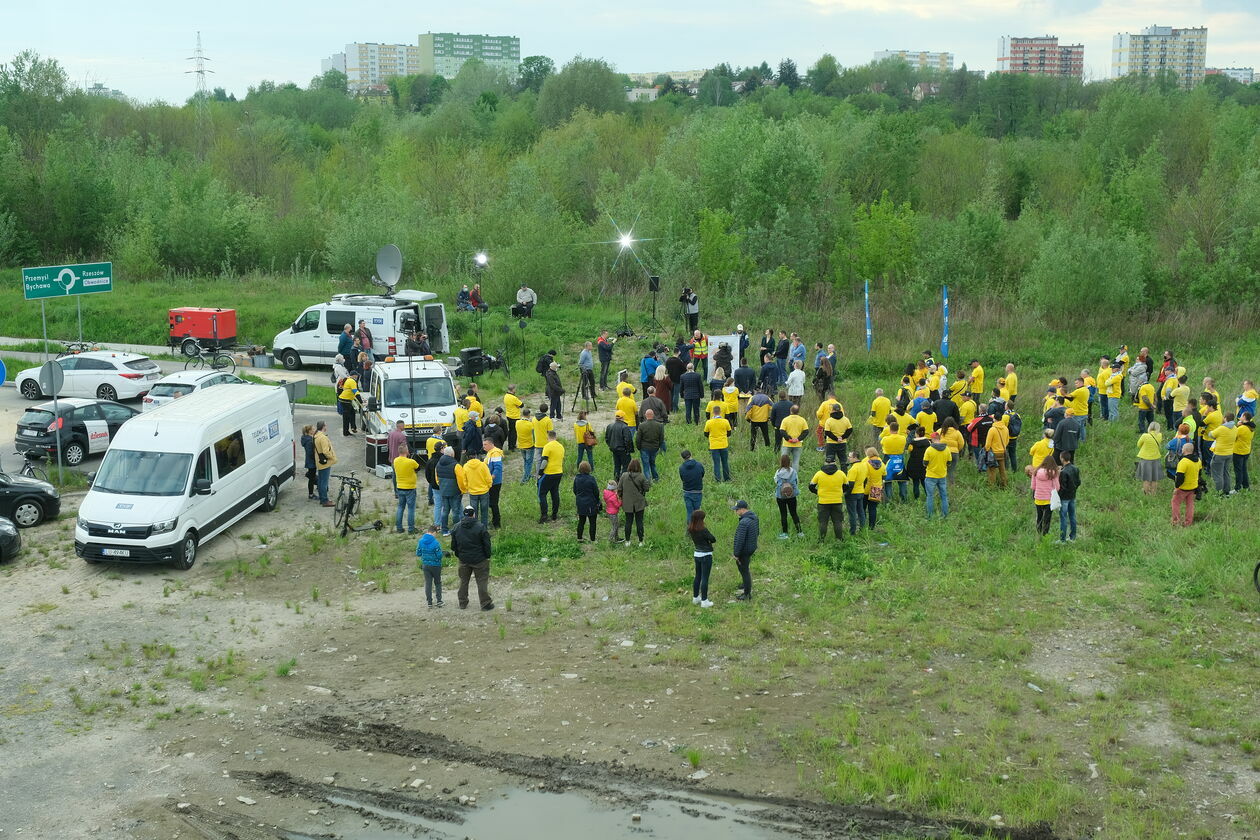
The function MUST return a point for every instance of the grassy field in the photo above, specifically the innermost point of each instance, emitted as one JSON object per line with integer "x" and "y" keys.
{"x": 961, "y": 668}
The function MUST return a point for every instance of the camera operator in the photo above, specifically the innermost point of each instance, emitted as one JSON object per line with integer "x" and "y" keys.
{"x": 605, "y": 345}
{"x": 691, "y": 308}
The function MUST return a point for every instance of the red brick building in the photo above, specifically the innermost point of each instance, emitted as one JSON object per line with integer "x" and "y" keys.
{"x": 1041, "y": 56}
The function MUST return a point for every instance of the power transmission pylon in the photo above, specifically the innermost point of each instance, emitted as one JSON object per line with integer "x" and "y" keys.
{"x": 199, "y": 70}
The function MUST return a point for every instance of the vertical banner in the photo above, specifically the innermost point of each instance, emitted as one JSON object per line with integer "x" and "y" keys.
{"x": 945, "y": 319}
{"x": 868, "y": 314}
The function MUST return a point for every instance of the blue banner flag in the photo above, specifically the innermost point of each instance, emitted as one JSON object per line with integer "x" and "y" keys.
{"x": 945, "y": 314}
{"x": 868, "y": 315}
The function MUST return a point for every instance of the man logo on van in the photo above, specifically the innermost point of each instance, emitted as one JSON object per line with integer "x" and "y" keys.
{"x": 117, "y": 528}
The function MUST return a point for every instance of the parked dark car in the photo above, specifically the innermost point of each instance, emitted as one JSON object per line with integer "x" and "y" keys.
{"x": 87, "y": 427}
{"x": 10, "y": 540}
{"x": 27, "y": 501}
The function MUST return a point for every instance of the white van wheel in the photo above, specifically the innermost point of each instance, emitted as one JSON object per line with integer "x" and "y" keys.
{"x": 272, "y": 496}
{"x": 291, "y": 359}
{"x": 186, "y": 555}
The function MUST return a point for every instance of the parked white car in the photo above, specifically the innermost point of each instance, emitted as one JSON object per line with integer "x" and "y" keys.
{"x": 183, "y": 383}
{"x": 98, "y": 374}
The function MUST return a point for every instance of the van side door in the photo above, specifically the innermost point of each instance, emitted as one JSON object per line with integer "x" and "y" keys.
{"x": 435, "y": 326}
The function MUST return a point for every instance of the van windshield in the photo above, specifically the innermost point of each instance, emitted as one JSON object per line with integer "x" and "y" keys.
{"x": 143, "y": 473}
{"x": 419, "y": 393}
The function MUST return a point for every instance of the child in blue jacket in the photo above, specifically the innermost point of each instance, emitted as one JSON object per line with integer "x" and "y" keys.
{"x": 429, "y": 550}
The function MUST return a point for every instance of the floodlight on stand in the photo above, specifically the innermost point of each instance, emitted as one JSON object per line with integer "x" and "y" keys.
{"x": 626, "y": 240}
{"x": 481, "y": 259}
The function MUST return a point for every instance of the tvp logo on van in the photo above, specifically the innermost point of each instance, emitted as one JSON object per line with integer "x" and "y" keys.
{"x": 51, "y": 281}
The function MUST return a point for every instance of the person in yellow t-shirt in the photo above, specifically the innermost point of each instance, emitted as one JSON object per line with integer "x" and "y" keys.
{"x": 1223, "y": 436}
{"x": 512, "y": 411}
{"x": 550, "y": 470}
{"x": 1080, "y": 398}
{"x": 927, "y": 422}
{"x": 836, "y": 431}
{"x": 1150, "y": 458}
{"x": 405, "y": 469}
{"x": 525, "y": 443}
{"x": 348, "y": 406}
{"x": 958, "y": 388}
{"x": 936, "y": 460}
{"x": 1003, "y": 392}
{"x": 829, "y": 483}
{"x": 474, "y": 404}
{"x": 953, "y": 438}
{"x": 718, "y": 431}
{"x": 542, "y": 425}
{"x": 967, "y": 411}
{"x": 1244, "y": 431}
{"x": 880, "y": 409}
{"x": 461, "y": 413}
{"x": 821, "y": 415}
{"x": 1039, "y": 450}
{"x": 795, "y": 428}
{"x": 581, "y": 428}
{"x": 855, "y": 491}
{"x": 1185, "y": 484}
{"x": 975, "y": 382}
{"x": 874, "y": 485}
{"x": 1012, "y": 383}
{"x": 627, "y": 406}
{"x": 1146, "y": 404}
{"x": 715, "y": 406}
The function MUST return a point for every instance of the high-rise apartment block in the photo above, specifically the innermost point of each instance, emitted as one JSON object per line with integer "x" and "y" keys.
{"x": 942, "y": 62}
{"x": 1158, "y": 49}
{"x": 444, "y": 53}
{"x": 441, "y": 53}
{"x": 1242, "y": 75}
{"x": 1041, "y": 56}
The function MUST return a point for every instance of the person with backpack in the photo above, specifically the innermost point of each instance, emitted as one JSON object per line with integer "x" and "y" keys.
{"x": 1014, "y": 425}
{"x": 1243, "y": 435}
{"x": 786, "y": 490}
{"x": 1069, "y": 483}
{"x": 915, "y": 467}
{"x": 703, "y": 541}
{"x": 429, "y": 552}
{"x": 977, "y": 435}
{"x": 584, "y": 434}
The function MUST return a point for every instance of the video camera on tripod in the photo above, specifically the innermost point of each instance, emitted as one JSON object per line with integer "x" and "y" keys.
{"x": 472, "y": 362}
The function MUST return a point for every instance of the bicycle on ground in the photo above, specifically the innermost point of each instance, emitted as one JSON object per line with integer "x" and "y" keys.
{"x": 349, "y": 502}
{"x": 215, "y": 359}
{"x": 30, "y": 458}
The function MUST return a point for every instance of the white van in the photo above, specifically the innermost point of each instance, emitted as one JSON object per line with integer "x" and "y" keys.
{"x": 312, "y": 339}
{"x": 176, "y": 476}
{"x": 419, "y": 392}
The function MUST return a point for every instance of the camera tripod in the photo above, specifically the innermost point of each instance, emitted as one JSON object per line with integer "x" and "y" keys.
{"x": 585, "y": 391}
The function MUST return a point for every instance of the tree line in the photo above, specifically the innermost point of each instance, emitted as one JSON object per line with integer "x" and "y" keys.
{"x": 1029, "y": 189}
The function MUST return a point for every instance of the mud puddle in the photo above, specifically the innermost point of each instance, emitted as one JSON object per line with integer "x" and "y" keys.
{"x": 563, "y": 797}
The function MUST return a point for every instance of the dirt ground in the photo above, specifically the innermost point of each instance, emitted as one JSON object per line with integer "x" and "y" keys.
{"x": 289, "y": 697}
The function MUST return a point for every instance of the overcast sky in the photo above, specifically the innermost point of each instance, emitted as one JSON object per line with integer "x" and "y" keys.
{"x": 141, "y": 48}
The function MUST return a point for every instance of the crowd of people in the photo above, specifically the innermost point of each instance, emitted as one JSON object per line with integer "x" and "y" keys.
{"x": 911, "y": 441}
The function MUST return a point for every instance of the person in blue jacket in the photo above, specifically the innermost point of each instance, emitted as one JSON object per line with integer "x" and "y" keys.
{"x": 429, "y": 550}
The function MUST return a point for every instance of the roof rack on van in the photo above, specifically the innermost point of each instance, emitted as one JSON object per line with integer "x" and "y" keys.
{"x": 398, "y": 298}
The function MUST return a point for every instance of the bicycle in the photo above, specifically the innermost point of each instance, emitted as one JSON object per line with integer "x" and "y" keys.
{"x": 28, "y": 466}
{"x": 215, "y": 359}
{"x": 1255, "y": 577}
{"x": 74, "y": 348}
{"x": 349, "y": 496}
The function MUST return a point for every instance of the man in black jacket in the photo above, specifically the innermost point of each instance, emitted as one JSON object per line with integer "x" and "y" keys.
{"x": 471, "y": 441}
{"x": 470, "y": 542}
{"x": 781, "y": 355}
{"x": 555, "y": 390}
{"x": 675, "y": 366}
{"x": 745, "y": 378}
{"x": 1067, "y": 438}
{"x": 654, "y": 404}
{"x": 778, "y": 412}
{"x": 620, "y": 440}
{"x": 945, "y": 407}
{"x": 605, "y": 347}
{"x": 769, "y": 374}
{"x": 746, "y": 534}
{"x": 692, "y": 385}
{"x": 1055, "y": 413}
{"x": 1069, "y": 482}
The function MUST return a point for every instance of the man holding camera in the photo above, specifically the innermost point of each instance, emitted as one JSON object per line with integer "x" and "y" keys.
{"x": 691, "y": 308}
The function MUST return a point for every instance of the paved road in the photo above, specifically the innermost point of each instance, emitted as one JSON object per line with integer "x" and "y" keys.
{"x": 314, "y": 376}
{"x": 351, "y": 452}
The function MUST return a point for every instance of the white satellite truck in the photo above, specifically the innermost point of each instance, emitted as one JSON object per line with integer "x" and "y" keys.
{"x": 390, "y": 315}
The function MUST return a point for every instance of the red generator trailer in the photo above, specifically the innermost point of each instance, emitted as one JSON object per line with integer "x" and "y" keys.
{"x": 196, "y": 328}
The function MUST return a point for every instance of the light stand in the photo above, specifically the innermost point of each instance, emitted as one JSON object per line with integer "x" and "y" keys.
{"x": 654, "y": 285}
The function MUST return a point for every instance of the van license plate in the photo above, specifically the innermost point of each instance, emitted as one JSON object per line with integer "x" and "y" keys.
{"x": 116, "y": 552}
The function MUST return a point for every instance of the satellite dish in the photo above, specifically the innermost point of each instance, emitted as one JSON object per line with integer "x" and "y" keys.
{"x": 388, "y": 267}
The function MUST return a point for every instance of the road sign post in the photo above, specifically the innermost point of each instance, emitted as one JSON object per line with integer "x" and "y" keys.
{"x": 54, "y": 281}
{"x": 51, "y": 379}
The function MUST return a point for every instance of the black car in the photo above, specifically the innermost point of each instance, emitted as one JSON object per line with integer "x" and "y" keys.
{"x": 10, "y": 540}
{"x": 27, "y": 501}
{"x": 87, "y": 427}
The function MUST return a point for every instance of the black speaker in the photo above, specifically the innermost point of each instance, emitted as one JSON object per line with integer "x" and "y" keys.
{"x": 654, "y": 283}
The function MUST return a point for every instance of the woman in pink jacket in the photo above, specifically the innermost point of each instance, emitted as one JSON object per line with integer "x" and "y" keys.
{"x": 1045, "y": 480}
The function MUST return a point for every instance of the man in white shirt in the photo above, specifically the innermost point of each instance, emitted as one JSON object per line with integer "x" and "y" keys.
{"x": 525, "y": 302}
{"x": 796, "y": 383}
